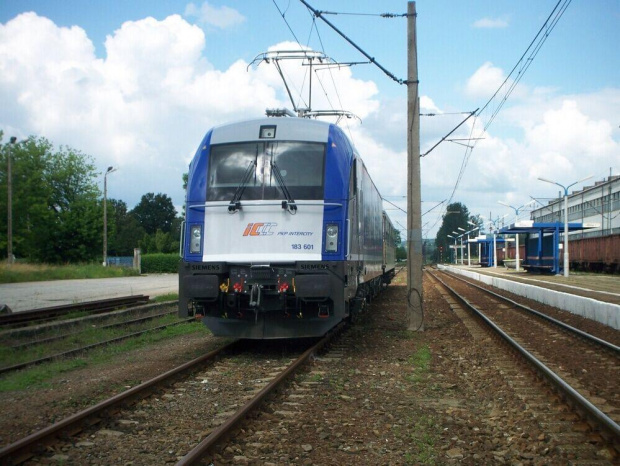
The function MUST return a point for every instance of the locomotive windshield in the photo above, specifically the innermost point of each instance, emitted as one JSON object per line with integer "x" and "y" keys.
{"x": 301, "y": 165}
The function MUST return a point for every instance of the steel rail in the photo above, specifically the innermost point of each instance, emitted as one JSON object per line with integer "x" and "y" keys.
{"x": 559, "y": 323}
{"x": 88, "y": 347}
{"x": 591, "y": 410}
{"x": 102, "y": 305}
{"x": 14, "y": 450}
{"x": 32, "y": 331}
{"x": 72, "y": 334}
{"x": 196, "y": 454}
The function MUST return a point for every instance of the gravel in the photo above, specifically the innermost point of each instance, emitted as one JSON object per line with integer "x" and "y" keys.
{"x": 380, "y": 395}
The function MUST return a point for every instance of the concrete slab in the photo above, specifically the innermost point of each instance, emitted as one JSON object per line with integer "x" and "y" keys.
{"x": 602, "y": 311}
{"x": 34, "y": 295}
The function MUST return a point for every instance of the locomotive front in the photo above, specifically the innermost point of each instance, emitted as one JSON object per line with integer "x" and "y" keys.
{"x": 263, "y": 254}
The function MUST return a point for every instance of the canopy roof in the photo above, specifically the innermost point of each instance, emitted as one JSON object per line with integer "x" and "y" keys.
{"x": 529, "y": 226}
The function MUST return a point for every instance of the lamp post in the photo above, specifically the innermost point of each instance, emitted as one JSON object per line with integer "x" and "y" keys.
{"x": 494, "y": 226}
{"x": 450, "y": 236}
{"x": 494, "y": 249}
{"x": 456, "y": 254}
{"x": 516, "y": 209}
{"x": 461, "y": 238}
{"x": 492, "y": 230}
{"x": 9, "y": 201}
{"x": 456, "y": 251}
{"x": 105, "y": 215}
{"x": 565, "y": 188}
{"x": 468, "y": 247}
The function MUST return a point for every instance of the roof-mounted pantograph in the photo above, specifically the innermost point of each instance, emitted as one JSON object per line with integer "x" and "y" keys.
{"x": 316, "y": 61}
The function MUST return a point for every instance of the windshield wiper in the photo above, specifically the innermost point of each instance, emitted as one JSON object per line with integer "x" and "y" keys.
{"x": 289, "y": 203}
{"x": 235, "y": 203}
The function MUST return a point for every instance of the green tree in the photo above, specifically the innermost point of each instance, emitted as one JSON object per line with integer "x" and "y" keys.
{"x": 164, "y": 242}
{"x": 185, "y": 182}
{"x": 124, "y": 231}
{"x": 401, "y": 252}
{"x": 147, "y": 244}
{"x": 155, "y": 212}
{"x": 455, "y": 219}
{"x": 56, "y": 209}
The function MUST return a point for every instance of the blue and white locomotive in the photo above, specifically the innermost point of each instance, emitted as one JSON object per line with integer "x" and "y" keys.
{"x": 285, "y": 235}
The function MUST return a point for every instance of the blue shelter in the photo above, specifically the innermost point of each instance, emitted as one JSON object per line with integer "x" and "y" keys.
{"x": 542, "y": 245}
{"x": 486, "y": 248}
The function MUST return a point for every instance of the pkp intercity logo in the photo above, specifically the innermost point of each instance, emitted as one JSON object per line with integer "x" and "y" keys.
{"x": 259, "y": 229}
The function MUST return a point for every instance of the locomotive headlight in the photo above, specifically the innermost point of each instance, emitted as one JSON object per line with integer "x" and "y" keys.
{"x": 195, "y": 239}
{"x": 331, "y": 238}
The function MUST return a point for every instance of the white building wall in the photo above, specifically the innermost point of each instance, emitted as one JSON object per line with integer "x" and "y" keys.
{"x": 599, "y": 204}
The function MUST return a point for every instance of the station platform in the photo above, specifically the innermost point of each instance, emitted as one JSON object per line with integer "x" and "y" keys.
{"x": 596, "y": 286}
{"x": 595, "y": 296}
{"x": 35, "y": 295}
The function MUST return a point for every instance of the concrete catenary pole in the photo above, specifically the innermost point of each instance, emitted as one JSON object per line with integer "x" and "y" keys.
{"x": 415, "y": 315}
{"x": 9, "y": 201}
{"x": 105, "y": 215}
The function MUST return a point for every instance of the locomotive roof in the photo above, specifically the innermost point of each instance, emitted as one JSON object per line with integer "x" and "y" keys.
{"x": 286, "y": 129}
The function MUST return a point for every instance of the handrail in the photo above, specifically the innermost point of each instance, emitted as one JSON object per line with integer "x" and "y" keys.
{"x": 262, "y": 204}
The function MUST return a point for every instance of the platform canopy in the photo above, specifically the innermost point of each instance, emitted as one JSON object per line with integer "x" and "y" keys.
{"x": 542, "y": 244}
{"x": 529, "y": 226}
{"x": 486, "y": 239}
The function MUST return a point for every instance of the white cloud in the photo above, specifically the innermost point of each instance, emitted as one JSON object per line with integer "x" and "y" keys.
{"x": 564, "y": 138}
{"x": 567, "y": 129}
{"x": 146, "y": 105}
{"x": 491, "y": 23}
{"x": 148, "y": 102}
{"x": 485, "y": 81}
{"x": 427, "y": 104}
{"x": 569, "y": 143}
{"x": 223, "y": 17}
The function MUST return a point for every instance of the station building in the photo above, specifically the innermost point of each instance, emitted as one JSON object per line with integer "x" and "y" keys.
{"x": 598, "y": 204}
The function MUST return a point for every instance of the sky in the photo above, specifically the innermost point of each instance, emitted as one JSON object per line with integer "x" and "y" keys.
{"x": 136, "y": 85}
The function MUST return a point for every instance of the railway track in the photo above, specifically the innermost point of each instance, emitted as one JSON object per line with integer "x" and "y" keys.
{"x": 187, "y": 415}
{"x": 49, "y": 313}
{"x": 50, "y": 339}
{"x": 82, "y": 349}
{"x": 583, "y": 370}
{"x": 615, "y": 349}
{"x": 32, "y": 345}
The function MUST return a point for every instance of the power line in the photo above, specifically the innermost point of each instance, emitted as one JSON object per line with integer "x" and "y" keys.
{"x": 444, "y": 138}
{"x": 403, "y": 210}
{"x": 524, "y": 63}
{"x": 287, "y": 24}
{"x": 522, "y": 66}
{"x": 434, "y": 207}
{"x": 382, "y": 15}
{"x": 446, "y": 113}
{"x": 358, "y": 48}
{"x": 329, "y": 68}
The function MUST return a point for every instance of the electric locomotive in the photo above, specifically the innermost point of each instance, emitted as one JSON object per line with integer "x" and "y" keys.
{"x": 284, "y": 235}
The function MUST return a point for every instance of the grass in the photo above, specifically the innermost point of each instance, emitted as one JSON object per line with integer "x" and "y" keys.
{"x": 41, "y": 375}
{"x": 16, "y": 273}
{"x": 421, "y": 361}
{"x": 166, "y": 297}
{"x": 422, "y": 439}
{"x": 85, "y": 334}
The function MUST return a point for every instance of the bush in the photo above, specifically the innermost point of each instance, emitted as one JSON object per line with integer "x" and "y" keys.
{"x": 160, "y": 263}
{"x": 25, "y": 272}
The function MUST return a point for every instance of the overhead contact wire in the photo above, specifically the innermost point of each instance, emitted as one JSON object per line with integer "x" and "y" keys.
{"x": 318, "y": 14}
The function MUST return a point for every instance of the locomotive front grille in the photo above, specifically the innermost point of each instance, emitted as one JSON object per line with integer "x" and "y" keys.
{"x": 262, "y": 274}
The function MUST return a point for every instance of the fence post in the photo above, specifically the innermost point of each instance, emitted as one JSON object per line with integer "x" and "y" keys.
{"x": 137, "y": 260}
